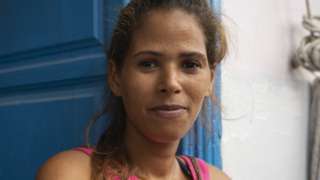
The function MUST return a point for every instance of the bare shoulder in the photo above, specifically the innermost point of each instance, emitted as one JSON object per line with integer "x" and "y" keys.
{"x": 66, "y": 165}
{"x": 217, "y": 174}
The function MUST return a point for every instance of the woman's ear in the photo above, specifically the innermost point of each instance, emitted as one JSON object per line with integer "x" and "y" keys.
{"x": 114, "y": 79}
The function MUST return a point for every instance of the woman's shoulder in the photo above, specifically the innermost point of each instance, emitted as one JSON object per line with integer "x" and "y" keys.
{"x": 69, "y": 164}
{"x": 217, "y": 173}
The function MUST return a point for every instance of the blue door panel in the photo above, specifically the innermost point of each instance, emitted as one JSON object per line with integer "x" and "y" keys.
{"x": 42, "y": 127}
{"x": 35, "y": 124}
{"x": 48, "y": 69}
{"x": 33, "y": 24}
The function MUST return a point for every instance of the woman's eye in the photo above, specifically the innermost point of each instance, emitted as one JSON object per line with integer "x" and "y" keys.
{"x": 191, "y": 65}
{"x": 147, "y": 64}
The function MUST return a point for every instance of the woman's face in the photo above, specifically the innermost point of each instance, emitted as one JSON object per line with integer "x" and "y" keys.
{"x": 165, "y": 76}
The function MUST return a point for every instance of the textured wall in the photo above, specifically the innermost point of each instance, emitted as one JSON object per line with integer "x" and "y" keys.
{"x": 264, "y": 106}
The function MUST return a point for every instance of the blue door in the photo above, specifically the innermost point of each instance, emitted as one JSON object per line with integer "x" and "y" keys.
{"x": 52, "y": 77}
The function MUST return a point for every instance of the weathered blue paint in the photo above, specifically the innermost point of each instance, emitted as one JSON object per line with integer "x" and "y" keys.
{"x": 52, "y": 73}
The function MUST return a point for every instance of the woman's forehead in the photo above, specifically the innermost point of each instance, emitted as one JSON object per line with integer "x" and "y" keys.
{"x": 165, "y": 30}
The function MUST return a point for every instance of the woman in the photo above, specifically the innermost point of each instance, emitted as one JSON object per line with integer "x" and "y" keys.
{"x": 162, "y": 59}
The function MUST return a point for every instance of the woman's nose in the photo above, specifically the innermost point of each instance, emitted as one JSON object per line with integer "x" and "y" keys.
{"x": 169, "y": 82}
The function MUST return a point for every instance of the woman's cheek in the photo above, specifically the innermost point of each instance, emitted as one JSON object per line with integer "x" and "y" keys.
{"x": 198, "y": 89}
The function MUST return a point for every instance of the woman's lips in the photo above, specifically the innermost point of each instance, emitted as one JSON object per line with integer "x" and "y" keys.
{"x": 169, "y": 111}
{"x": 169, "y": 114}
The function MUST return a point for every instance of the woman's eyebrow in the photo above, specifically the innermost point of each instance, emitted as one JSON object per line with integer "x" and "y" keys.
{"x": 182, "y": 55}
{"x": 153, "y": 53}
{"x": 193, "y": 55}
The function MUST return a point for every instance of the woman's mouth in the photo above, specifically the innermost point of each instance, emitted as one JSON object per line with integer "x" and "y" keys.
{"x": 169, "y": 111}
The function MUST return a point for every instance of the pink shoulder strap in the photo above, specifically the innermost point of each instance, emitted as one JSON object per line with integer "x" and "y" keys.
{"x": 87, "y": 151}
{"x": 203, "y": 168}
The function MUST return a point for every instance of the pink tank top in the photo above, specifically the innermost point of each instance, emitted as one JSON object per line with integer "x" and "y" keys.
{"x": 203, "y": 167}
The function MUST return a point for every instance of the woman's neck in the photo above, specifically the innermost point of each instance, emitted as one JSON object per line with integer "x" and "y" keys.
{"x": 153, "y": 160}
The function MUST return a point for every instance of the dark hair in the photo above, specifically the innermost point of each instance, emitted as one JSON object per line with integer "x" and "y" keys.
{"x": 110, "y": 150}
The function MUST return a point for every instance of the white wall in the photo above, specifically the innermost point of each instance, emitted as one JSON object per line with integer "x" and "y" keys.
{"x": 265, "y": 107}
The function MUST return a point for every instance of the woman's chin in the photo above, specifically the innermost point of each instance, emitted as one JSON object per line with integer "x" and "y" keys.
{"x": 166, "y": 137}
